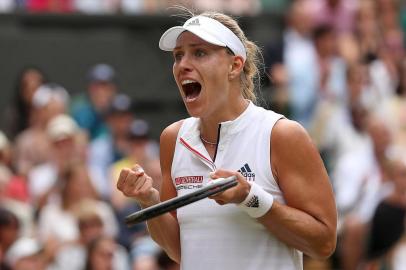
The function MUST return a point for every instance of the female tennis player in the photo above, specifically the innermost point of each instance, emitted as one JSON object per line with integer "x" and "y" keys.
{"x": 283, "y": 204}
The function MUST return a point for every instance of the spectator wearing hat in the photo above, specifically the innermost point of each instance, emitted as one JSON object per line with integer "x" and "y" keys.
{"x": 32, "y": 145}
{"x": 141, "y": 150}
{"x": 88, "y": 110}
{"x": 68, "y": 143}
{"x": 107, "y": 149}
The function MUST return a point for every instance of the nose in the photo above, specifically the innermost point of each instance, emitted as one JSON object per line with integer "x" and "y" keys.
{"x": 185, "y": 64}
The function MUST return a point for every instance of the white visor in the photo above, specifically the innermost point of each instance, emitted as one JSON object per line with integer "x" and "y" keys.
{"x": 209, "y": 30}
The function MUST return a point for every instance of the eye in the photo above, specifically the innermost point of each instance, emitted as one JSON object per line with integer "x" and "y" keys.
{"x": 200, "y": 53}
{"x": 177, "y": 56}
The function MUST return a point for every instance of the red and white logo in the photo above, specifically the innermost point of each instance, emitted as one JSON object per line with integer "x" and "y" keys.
{"x": 189, "y": 182}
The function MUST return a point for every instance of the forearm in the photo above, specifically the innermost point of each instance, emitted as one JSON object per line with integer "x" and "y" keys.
{"x": 165, "y": 231}
{"x": 300, "y": 230}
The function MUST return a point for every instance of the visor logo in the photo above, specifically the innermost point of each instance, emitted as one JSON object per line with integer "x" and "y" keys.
{"x": 194, "y": 22}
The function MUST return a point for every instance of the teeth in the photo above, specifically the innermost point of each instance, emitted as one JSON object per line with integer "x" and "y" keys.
{"x": 187, "y": 81}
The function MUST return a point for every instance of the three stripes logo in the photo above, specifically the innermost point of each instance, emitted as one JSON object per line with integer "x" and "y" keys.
{"x": 247, "y": 172}
{"x": 254, "y": 202}
{"x": 194, "y": 22}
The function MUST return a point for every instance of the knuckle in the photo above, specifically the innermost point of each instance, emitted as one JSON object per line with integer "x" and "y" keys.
{"x": 220, "y": 202}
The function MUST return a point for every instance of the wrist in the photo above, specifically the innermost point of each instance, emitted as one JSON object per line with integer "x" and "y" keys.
{"x": 258, "y": 202}
{"x": 154, "y": 199}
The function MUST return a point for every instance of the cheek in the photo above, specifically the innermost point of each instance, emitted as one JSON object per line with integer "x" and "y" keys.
{"x": 216, "y": 77}
{"x": 217, "y": 69}
{"x": 175, "y": 72}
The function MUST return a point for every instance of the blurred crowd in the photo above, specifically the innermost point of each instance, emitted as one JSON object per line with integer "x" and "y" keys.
{"x": 59, "y": 162}
{"x": 237, "y": 7}
{"x": 339, "y": 69}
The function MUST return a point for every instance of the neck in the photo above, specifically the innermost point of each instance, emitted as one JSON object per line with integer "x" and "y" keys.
{"x": 207, "y": 142}
{"x": 209, "y": 125}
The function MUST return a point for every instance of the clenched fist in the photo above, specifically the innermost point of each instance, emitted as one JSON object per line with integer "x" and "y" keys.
{"x": 135, "y": 183}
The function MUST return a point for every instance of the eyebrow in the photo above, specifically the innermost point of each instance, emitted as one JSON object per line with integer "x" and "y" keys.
{"x": 190, "y": 45}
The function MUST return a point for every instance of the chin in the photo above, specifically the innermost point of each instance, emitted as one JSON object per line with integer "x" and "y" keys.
{"x": 194, "y": 111}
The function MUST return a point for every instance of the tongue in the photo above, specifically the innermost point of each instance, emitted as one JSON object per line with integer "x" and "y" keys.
{"x": 192, "y": 91}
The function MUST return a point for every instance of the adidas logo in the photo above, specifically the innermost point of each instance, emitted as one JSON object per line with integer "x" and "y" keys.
{"x": 254, "y": 202}
{"x": 194, "y": 22}
{"x": 247, "y": 172}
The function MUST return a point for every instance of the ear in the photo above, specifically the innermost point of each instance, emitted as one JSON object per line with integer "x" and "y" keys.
{"x": 236, "y": 67}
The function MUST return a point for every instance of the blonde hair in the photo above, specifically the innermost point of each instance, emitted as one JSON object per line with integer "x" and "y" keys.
{"x": 250, "y": 78}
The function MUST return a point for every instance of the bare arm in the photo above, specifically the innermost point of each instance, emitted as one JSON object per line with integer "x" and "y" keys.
{"x": 308, "y": 220}
{"x": 163, "y": 229}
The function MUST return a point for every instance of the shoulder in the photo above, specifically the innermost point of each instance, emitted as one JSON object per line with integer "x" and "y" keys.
{"x": 170, "y": 133}
{"x": 168, "y": 142}
{"x": 292, "y": 146}
{"x": 79, "y": 102}
{"x": 286, "y": 132}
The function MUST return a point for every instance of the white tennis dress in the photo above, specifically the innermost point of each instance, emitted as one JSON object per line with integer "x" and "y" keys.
{"x": 224, "y": 237}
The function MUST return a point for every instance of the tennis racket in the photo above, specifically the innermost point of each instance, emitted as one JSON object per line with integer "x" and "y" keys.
{"x": 213, "y": 187}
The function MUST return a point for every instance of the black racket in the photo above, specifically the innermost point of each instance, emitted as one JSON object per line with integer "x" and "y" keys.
{"x": 214, "y": 187}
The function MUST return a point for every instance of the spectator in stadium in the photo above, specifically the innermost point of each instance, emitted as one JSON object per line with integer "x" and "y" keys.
{"x": 339, "y": 126}
{"x": 32, "y": 146}
{"x": 285, "y": 209}
{"x": 331, "y": 67}
{"x": 395, "y": 106}
{"x": 101, "y": 254}
{"x": 57, "y": 218}
{"x": 68, "y": 143}
{"x": 299, "y": 54}
{"x": 10, "y": 200}
{"x": 144, "y": 151}
{"x": 144, "y": 253}
{"x": 112, "y": 146}
{"x": 339, "y": 14}
{"x": 91, "y": 225}
{"x": 88, "y": 110}
{"x": 18, "y": 116}
{"x": 387, "y": 231}
{"x": 367, "y": 30}
{"x": 361, "y": 181}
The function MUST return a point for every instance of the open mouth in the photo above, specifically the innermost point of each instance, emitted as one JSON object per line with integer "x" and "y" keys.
{"x": 191, "y": 89}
